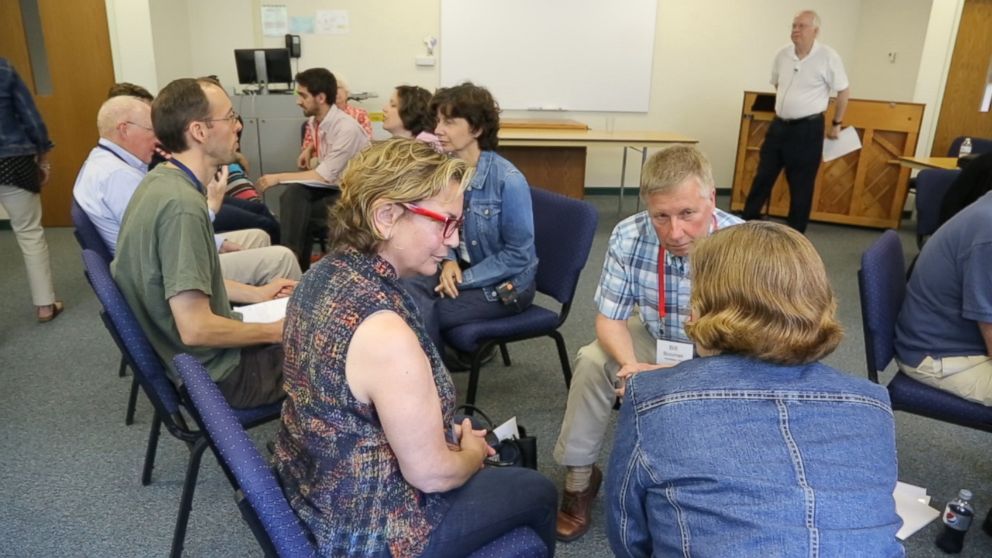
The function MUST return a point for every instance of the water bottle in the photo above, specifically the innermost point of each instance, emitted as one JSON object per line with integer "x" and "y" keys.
{"x": 957, "y": 518}
{"x": 965, "y": 148}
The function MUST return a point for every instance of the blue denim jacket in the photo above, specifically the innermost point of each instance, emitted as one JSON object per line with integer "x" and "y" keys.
{"x": 730, "y": 456}
{"x": 22, "y": 132}
{"x": 499, "y": 228}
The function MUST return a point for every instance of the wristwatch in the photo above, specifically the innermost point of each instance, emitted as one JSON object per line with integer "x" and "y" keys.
{"x": 838, "y": 122}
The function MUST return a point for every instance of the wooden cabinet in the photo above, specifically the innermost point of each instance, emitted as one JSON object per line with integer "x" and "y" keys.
{"x": 865, "y": 188}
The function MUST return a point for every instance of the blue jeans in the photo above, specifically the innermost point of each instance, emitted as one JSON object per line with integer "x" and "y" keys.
{"x": 494, "y": 501}
{"x": 471, "y": 305}
{"x": 238, "y": 214}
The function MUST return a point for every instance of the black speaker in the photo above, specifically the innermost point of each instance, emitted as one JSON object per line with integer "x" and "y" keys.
{"x": 293, "y": 45}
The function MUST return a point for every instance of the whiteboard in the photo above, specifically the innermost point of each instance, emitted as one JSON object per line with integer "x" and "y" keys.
{"x": 577, "y": 55}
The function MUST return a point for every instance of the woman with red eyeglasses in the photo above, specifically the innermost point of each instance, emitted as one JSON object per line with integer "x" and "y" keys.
{"x": 368, "y": 453}
{"x": 492, "y": 272}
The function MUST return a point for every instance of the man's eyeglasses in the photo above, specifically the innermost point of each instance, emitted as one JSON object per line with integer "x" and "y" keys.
{"x": 451, "y": 224}
{"x": 146, "y": 128}
{"x": 232, "y": 117}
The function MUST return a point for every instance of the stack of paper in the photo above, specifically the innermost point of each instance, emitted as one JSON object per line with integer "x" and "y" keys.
{"x": 912, "y": 505}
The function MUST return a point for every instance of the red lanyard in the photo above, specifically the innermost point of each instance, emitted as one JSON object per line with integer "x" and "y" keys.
{"x": 661, "y": 275}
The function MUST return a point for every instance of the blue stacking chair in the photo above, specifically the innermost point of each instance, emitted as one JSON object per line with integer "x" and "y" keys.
{"x": 563, "y": 233}
{"x": 261, "y": 500}
{"x": 89, "y": 238}
{"x": 931, "y": 186}
{"x": 881, "y": 282}
{"x": 152, "y": 376}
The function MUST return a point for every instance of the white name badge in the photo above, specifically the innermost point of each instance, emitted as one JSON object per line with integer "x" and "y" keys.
{"x": 671, "y": 353}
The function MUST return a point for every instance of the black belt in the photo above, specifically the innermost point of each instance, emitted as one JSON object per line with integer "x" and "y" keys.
{"x": 790, "y": 121}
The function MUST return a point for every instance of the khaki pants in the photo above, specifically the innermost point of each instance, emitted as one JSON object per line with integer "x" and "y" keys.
{"x": 257, "y": 263}
{"x": 24, "y": 209}
{"x": 591, "y": 397}
{"x": 969, "y": 377}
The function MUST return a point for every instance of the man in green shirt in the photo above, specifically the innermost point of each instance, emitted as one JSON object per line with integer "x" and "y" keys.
{"x": 166, "y": 264}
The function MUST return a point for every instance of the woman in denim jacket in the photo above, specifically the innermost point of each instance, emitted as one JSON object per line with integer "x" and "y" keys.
{"x": 492, "y": 272}
{"x": 755, "y": 448}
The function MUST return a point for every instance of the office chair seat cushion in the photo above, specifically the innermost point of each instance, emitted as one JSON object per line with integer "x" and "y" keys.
{"x": 533, "y": 321}
{"x": 910, "y": 395}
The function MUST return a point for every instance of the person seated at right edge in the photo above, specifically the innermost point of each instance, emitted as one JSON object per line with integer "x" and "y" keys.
{"x": 944, "y": 329}
{"x": 755, "y": 448}
{"x": 309, "y": 192}
{"x": 368, "y": 453}
{"x": 492, "y": 272}
{"x": 408, "y": 115}
{"x": 647, "y": 255}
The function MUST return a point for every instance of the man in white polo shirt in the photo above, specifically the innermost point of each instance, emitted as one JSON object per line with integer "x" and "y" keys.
{"x": 804, "y": 73}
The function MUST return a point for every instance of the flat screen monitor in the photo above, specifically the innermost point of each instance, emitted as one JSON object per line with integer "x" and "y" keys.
{"x": 263, "y": 65}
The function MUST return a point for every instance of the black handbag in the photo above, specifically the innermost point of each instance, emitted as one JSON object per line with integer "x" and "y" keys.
{"x": 515, "y": 452}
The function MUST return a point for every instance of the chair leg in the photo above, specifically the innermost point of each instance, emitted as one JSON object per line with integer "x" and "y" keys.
{"x": 473, "y": 375}
{"x": 505, "y": 353}
{"x": 132, "y": 400}
{"x": 122, "y": 369}
{"x": 566, "y": 366}
{"x": 186, "y": 500}
{"x": 146, "y": 472}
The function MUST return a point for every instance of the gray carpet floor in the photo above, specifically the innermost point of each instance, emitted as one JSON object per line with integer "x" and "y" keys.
{"x": 69, "y": 467}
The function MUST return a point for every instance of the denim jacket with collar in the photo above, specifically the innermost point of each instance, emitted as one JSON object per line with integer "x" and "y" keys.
{"x": 499, "y": 228}
{"x": 22, "y": 131}
{"x": 730, "y": 456}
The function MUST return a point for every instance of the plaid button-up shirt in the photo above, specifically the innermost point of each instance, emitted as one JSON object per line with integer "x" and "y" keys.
{"x": 630, "y": 277}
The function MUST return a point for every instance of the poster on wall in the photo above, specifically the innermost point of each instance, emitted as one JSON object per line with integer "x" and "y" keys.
{"x": 301, "y": 25}
{"x": 332, "y": 22}
{"x": 275, "y": 21}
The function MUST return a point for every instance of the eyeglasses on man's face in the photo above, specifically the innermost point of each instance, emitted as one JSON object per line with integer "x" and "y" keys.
{"x": 145, "y": 128}
{"x": 451, "y": 224}
{"x": 231, "y": 117}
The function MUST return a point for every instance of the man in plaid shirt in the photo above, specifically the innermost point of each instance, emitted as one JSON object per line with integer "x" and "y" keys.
{"x": 678, "y": 191}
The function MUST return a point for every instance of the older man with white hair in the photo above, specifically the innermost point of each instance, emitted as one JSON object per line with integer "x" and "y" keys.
{"x": 115, "y": 167}
{"x": 804, "y": 73}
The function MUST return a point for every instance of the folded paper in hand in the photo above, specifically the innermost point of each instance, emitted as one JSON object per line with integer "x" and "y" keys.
{"x": 846, "y": 142}
{"x": 263, "y": 312}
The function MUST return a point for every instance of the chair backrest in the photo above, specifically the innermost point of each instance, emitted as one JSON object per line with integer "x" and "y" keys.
{"x": 146, "y": 365}
{"x": 882, "y": 285}
{"x": 978, "y": 146}
{"x": 86, "y": 234}
{"x": 564, "y": 229}
{"x": 931, "y": 186}
{"x": 258, "y": 483}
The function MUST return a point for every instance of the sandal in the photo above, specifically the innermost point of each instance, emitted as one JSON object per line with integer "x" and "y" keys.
{"x": 56, "y": 307}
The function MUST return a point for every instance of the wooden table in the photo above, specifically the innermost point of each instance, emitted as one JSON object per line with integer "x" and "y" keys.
{"x": 555, "y": 158}
{"x": 923, "y": 163}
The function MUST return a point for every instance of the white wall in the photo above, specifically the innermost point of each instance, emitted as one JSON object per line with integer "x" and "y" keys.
{"x": 129, "y": 23}
{"x": 885, "y": 26}
{"x": 171, "y": 38}
{"x": 707, "y": 53}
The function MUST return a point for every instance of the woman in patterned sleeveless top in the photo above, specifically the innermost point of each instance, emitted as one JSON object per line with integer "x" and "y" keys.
{"x": 367, "y": 453}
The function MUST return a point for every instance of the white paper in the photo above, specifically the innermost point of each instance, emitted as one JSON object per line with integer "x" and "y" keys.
{"x": 332, "y": 22}
{"x": 508, "y": 430}
{"x": 912, "y": 505}
{"x": 275, "y": 21}
{"x": 846, "y": 142}
{"x": 263, "y": 312}
{"x": 671, "y": 353}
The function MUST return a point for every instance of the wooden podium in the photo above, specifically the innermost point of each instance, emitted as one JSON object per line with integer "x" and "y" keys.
{"x": 865, "y": 188}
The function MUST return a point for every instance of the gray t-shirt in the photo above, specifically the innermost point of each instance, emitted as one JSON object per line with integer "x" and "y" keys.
{"x": 166, "y": 246}
{"x": 950, "y": 290}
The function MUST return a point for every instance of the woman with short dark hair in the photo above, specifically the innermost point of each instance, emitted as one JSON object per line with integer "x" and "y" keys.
{"x": 492, "y": 273}
{"x": 755, "y": 448}
{"x": 408, "y": 115}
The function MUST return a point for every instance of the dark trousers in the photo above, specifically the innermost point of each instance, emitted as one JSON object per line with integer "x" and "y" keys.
{"x": 300, "y": 208}
{"x": 257, "y": 380}
{"x": 798, "y": 147}
{"x": 470, "y": 305}
{"x": 235, "y": 215}
{"x": 494, "y": 501}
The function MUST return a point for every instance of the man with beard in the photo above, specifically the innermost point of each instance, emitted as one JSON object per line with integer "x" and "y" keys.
{"x": 338, "y": 138}
{"x": 167, "y": 265}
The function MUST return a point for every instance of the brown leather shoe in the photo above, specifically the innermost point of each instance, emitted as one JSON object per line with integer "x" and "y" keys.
{"x": 575, "y": 514}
